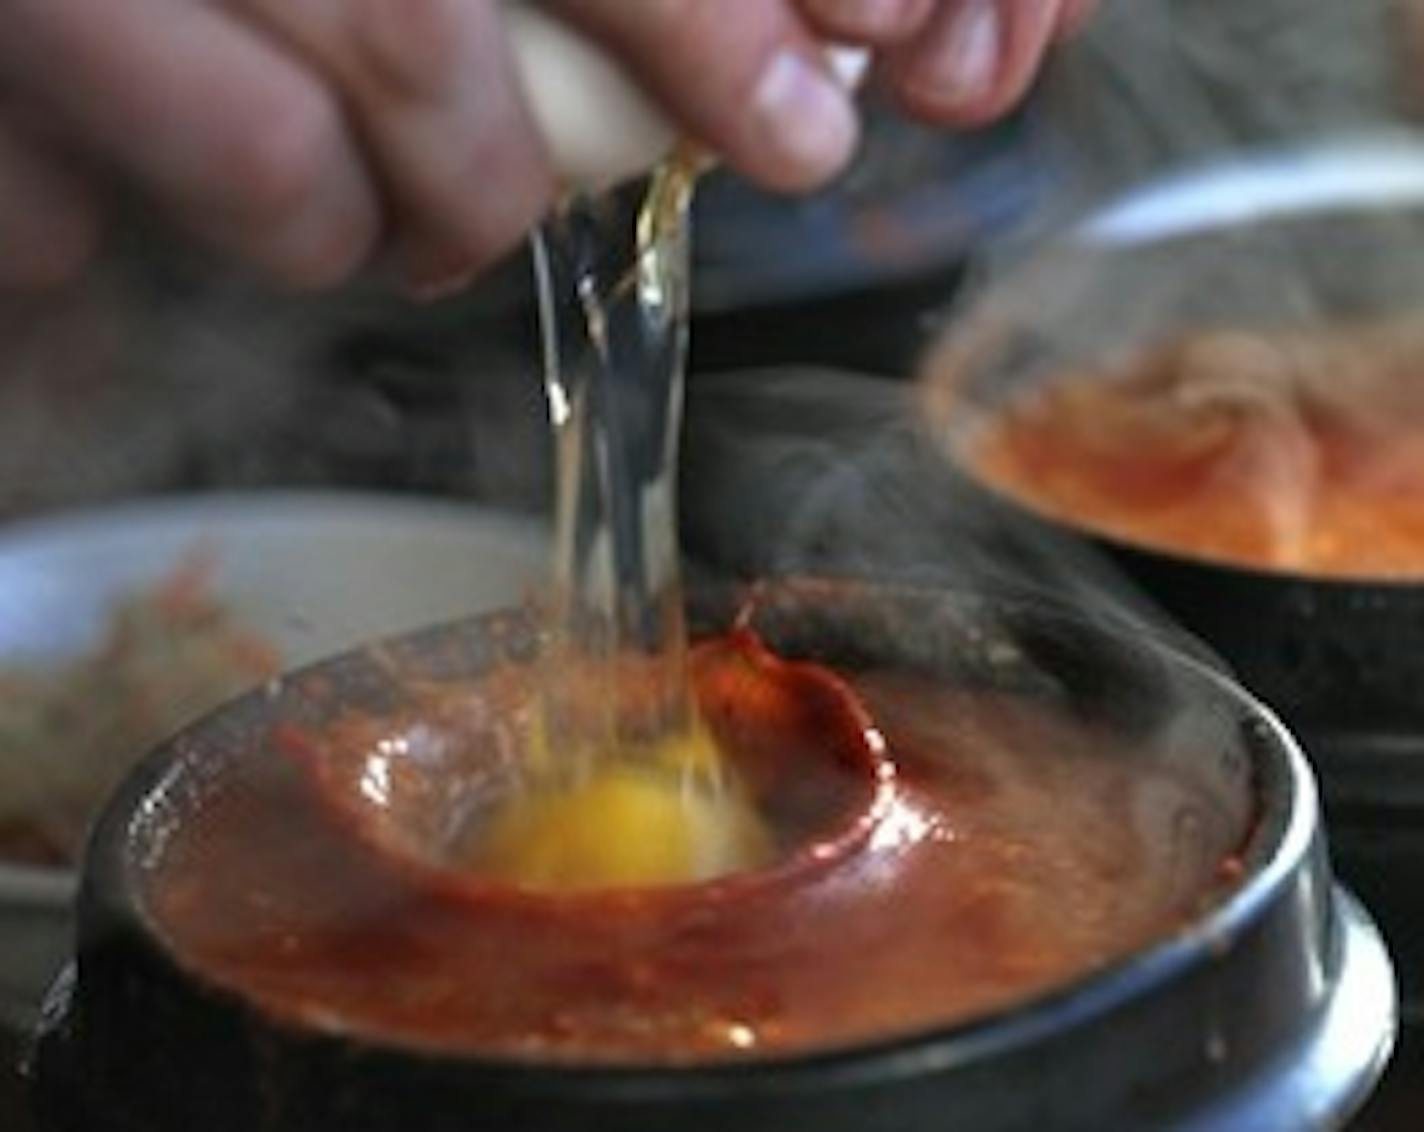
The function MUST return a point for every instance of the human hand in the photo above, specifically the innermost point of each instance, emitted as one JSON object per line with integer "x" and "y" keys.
{"x": 955, "y": 62}
{"x": 748, "y": 77}
{"x": 298, "y": 135}
{"x": 303, "y": 136}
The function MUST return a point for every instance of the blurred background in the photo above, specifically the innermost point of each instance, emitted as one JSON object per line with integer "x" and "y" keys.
{"x": 165, "y": 370}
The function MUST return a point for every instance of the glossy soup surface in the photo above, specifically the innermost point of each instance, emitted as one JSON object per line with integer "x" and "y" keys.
{"x": 1299, "y": 451}
{"x": 1016, "y": 851}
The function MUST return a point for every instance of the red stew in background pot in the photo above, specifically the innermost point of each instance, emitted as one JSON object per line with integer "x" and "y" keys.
{"x": 1299, "y": 451}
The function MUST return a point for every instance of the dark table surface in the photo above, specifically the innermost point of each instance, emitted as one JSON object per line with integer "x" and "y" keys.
{"x": 1397, "y": 1107}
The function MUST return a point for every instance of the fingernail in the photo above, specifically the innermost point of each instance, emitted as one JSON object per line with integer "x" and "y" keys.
{"x": 867, "y": 17}
{"x": 806, "y": 115}
{"x": 961, "y": 61}
{"x": 427, "y": 284}
{"x": 1075, "y": 18}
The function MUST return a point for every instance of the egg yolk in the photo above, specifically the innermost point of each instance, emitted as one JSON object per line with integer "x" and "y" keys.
{"x": 626, "y": 826}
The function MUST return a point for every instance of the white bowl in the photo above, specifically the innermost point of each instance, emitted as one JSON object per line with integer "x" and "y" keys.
{"x": 313, "y": 572}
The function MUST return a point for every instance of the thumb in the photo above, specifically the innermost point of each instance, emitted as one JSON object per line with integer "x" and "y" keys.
{"x": 49, "y": 220}
{"x": 754, "y": 87}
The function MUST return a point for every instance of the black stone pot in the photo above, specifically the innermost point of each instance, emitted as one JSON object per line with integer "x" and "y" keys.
{"x": 1341, "y": 661}
{"x": 1285, "y": 241}
{"x": 1274, "y": 1010}
{"x": 1279, "y": 242}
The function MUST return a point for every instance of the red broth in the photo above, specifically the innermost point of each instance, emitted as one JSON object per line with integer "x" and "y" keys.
{"x": 1301, "y": 452}
{"x": 1012, "y": 851}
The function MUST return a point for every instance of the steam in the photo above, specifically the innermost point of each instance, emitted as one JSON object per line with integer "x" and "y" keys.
{"x": 163, "y": 370}
{"x": 1154, "y": 85}
{"x": 1263, "y": 316}
{"x": 825, "y": 473}
{"x": 1270, "y": 279}
{"x": 834, "y": 476}
{"x": 862, "y": 483}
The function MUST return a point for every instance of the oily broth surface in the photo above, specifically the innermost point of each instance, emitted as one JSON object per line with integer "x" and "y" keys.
{"x": 1010, "y": 862}
{"x": 1297, "y": 451}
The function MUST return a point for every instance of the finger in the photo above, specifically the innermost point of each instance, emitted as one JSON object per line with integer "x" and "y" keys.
{"x": 49, "y": 221}
{"x": 975, "y": 59}
{"x": 435, "y": 94}
{"x": 236, "y": 137}
{"x": 755, "y": 87}
{"x": 871, "y": 22}
{"x": 1074, "y": 17}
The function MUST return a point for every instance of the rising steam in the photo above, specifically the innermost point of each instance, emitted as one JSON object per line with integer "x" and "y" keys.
{"x": 163, "y": 370}
{"x": 1158, "y": 84}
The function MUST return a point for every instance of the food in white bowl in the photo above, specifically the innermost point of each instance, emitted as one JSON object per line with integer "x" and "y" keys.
{"x": 68, "y": 733}
{"x": 281, "y": 579}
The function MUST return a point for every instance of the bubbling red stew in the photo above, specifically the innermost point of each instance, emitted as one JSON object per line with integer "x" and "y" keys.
{"x": 1300, "y": 451}
{"x": 970, "y": 850}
